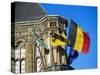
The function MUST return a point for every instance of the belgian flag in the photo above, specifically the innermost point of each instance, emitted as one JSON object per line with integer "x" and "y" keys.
{"x": 78, "y": 39}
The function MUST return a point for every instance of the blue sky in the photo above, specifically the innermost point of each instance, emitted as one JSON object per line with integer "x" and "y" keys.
{"x": 86, "y": 18}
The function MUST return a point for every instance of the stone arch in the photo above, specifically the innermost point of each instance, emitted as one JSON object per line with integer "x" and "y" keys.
{"x": 21, "y": 47}
{"x": 21, "y": 41}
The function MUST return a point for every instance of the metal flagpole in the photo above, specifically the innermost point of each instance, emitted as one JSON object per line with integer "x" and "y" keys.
{"x": 20, "y": 60}
{"x": 41, "y": 56}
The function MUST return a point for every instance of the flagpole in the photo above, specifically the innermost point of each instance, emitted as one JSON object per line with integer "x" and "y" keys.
{"x": 20, "y": 59}
{"x": 41, "y": 57}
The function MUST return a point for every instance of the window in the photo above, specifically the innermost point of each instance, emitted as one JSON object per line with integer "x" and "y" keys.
{"x": 53, "y": 24}
{"x": 19, "y": 58}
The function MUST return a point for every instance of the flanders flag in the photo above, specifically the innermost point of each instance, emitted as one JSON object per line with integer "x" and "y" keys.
{"x": 56, "y": 39}
{"x": 78, "y": 39}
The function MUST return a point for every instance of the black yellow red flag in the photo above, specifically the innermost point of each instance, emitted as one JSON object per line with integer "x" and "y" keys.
{"x": 78, "y": 39}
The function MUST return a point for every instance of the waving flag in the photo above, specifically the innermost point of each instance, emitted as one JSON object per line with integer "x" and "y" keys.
{"x": 56, "y": 39}
{"x": 72, "y": 56}
{"x": 78, "y": 39}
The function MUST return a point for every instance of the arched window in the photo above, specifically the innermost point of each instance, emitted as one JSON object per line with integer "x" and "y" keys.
{"x": 20, "y": 57}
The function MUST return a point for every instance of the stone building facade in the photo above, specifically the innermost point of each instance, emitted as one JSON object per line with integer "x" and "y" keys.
{"x": 31, "y": 27}
{"x": 25, "y": 40}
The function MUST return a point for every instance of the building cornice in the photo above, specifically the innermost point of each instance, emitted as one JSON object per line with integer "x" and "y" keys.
{"x": 38, "y": 21}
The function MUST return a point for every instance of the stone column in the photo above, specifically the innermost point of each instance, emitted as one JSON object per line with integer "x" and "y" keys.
{"x": 63, "y": 56}
{"x": 52, "y": 56}
{"x": 33, "y": 57}
{"x": 43, "y": 57}
{"x": 55, "y": 55}
{"x": 29, "y": 58}
{"x": 58, "y": 56}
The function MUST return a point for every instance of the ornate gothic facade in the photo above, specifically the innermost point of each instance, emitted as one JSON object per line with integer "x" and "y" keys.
{"x": 24, "y": 44}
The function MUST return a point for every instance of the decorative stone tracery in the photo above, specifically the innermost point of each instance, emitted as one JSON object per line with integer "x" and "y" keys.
{"x": 24, "y": 32}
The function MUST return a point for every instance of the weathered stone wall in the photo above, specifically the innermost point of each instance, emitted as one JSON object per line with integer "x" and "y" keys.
{"x": 23, "y": 32}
